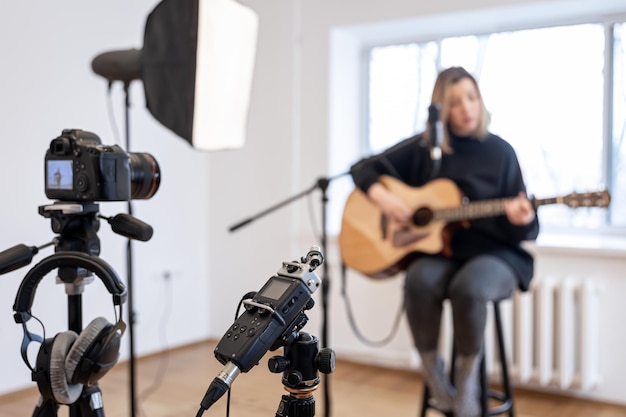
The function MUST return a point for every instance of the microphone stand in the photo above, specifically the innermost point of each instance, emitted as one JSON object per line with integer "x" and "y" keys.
{"x": 322, "y": 184}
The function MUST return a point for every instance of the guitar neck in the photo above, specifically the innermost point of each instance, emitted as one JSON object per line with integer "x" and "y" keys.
{"x": 482, "y": 209}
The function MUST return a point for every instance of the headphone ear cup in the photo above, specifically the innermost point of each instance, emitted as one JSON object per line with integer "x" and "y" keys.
{"x": 62, "y": 391}
{"x": 89, "y": 359}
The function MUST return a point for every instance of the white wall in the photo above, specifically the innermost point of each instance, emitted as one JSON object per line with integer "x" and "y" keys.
{"x": 47, "y": 85}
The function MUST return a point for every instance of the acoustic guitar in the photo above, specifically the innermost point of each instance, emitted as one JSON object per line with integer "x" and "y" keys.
{"x": 379, "y": 247}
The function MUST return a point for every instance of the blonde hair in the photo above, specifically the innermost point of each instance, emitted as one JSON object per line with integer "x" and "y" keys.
{"x": 445, "y": 79}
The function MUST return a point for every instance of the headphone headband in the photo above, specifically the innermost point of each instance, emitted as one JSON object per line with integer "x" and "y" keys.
{"x": 26, "y": 292}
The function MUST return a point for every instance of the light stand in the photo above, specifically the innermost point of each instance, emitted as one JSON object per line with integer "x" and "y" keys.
{"x": 322, "y": 184}
{"x": 129, "y": 273}
{"x": 187, "y": 74}
{"x": 127, "y": 74}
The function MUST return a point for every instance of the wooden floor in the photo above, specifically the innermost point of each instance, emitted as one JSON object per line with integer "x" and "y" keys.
{"x": 355, "y": 390}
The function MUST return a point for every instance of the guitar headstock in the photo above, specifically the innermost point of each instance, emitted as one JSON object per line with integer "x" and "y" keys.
{"x": 588, "y": 199}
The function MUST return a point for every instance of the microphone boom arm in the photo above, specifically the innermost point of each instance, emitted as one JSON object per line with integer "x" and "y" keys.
{"x": 321, "y": 183}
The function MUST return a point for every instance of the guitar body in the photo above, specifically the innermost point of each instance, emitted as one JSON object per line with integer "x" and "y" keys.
{"x": 378, "y": 247}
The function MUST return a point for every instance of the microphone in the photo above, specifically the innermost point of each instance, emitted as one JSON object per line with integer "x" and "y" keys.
{"x": 314, "y": 258}
{"x": 118, "y": 65}
{"x": 435, "y": 131}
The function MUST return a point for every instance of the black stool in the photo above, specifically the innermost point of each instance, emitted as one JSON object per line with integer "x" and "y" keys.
{"x": 504, "y": 399}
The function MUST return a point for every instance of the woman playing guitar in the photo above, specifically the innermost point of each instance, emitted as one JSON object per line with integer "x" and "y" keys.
{"x": 483, "y": 260}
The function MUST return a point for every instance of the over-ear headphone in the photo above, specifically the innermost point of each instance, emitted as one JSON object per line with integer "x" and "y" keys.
{"x": 68, "y": 361}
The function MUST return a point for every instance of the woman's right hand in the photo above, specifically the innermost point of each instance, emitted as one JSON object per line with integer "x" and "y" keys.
{"x": 390, "y": 204}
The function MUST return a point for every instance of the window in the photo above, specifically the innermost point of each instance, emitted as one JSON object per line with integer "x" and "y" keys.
{"x": 546, "y": 90}
{"x": 618, "y": 113}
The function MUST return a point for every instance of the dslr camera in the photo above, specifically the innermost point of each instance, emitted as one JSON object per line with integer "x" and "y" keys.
{"x": 80, "y": 168}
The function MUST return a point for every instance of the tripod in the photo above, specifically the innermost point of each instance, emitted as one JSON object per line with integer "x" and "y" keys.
{"x": 78, "y": 232}
{"x": 300, "y": 364}
{"x": 77, "y": 224}
{"x": 321, "y": 184}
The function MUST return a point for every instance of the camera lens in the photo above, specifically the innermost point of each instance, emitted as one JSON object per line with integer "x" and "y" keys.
{"x": 145, "y": 176}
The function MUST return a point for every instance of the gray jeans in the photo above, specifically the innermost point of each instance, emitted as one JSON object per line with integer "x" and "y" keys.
{"x": 469, "y": 286}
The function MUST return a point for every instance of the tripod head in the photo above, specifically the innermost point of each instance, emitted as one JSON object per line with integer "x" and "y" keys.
{"x": 300, "y": 363}
{"x": 77, "y": 225}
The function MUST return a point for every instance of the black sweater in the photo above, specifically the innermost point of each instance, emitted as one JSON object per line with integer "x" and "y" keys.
{"x": 482, "y": 170}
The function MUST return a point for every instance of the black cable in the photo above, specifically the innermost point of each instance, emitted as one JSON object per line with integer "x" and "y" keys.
{"x": 218, "y": 387}
{"x": 352, "y": 320}
{"x": 247, "y": 296}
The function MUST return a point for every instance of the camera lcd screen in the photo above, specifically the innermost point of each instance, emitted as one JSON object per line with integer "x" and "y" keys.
{"x": 59, "y": 175}
{"x": 275, "y": 289}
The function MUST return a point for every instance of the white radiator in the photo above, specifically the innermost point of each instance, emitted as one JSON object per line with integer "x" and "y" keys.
{"x": 550, "y": 333}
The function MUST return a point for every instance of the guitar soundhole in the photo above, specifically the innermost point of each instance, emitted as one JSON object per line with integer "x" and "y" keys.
{"x": 423, "y": 216}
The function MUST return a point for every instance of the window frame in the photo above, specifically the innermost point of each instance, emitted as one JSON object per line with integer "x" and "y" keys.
{"x": 608, "y": 22}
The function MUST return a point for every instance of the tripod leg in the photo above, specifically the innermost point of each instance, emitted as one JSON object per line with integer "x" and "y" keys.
{"x": 45, "y": 408}
{"x": 292, "y": 406}
{"x": 90, "y": 402}
{"x": 283, "y": 406}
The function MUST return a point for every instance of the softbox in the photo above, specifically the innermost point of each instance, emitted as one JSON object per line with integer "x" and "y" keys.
{"x": 197, "y": 66}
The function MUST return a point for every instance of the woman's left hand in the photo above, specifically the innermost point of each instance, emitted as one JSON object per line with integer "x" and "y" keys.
{"x": 519, "y": 211}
